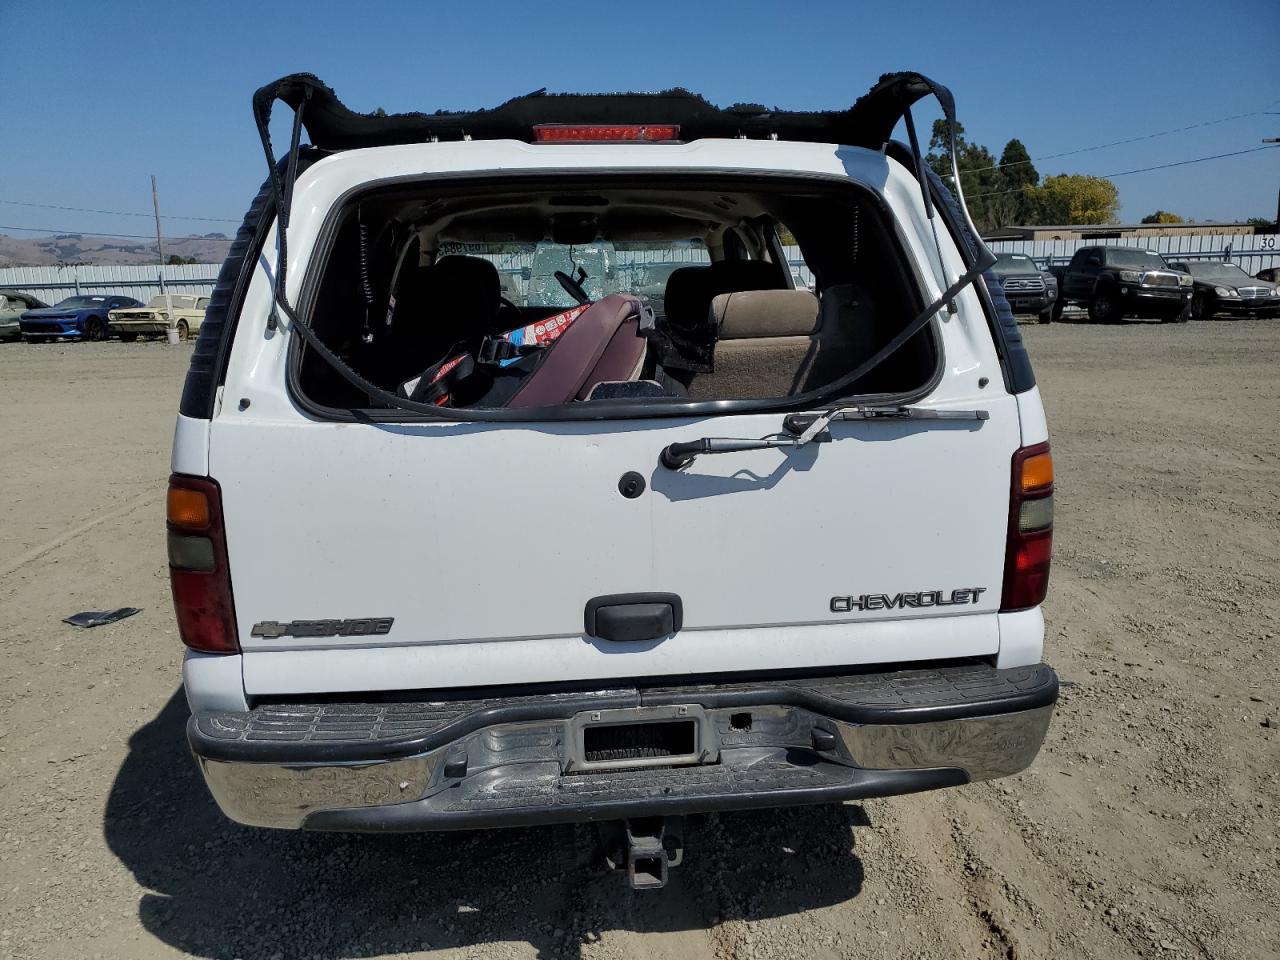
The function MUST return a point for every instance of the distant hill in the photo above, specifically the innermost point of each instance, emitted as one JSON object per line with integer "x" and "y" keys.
{"x": 69, "y": 248}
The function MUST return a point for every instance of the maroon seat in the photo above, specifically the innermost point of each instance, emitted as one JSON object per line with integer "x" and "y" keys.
{"x": 602, "y": 344}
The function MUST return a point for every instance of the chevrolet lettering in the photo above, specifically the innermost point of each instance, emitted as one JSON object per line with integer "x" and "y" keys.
{"x": 900, "y": 601}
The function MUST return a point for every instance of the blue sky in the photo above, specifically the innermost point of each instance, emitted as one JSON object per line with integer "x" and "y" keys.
{"x": 95, "y": 96}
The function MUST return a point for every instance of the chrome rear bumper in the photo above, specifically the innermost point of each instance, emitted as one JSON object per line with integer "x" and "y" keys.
{"x": 452, "y": 765}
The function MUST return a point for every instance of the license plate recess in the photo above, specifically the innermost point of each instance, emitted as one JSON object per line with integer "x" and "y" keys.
{"x": 633, "y": 737}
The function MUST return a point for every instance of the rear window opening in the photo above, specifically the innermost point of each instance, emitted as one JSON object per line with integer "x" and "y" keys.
{"x": 567, "y": 294}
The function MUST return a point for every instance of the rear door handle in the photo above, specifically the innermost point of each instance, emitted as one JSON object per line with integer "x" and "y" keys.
{"x": 633, "y": 617}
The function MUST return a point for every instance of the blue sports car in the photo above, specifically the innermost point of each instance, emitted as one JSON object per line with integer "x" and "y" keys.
{"x": 81, "y": 318}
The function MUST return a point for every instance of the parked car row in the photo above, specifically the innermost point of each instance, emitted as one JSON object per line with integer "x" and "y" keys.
{"x": 1113, "y": 283}
{"x": 97, "y": 317}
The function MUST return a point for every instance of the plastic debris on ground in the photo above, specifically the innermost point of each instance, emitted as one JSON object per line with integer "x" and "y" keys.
{"x": 96, "y": 618}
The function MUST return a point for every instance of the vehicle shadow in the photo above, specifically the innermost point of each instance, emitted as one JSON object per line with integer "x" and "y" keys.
{"x": 217, "y": 889}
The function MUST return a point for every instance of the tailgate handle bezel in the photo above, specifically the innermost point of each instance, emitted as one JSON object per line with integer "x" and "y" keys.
{"x": 633, "y": 617}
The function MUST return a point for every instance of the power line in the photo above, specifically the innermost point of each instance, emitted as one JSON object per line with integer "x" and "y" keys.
{"x": 1126, "y": 173}
{"x": 113, "y": 213}
{"x": 117, "y": 236}
{"x": 1051, "y": 156}
{"x": 977, "y": 196}
{"x": 1183, "y": 163}
{"x": 1118, "y": 143}
{"x": 1152, "y": 136}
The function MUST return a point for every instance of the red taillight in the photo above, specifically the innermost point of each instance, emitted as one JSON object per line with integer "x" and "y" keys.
{"x": 596, "y": 133}
{"x": 1030, "y": 540}
{"x": 198, "y": 573}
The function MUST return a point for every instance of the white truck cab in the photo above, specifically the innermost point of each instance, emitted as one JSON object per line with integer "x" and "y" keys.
{"x": 449, "y": 552}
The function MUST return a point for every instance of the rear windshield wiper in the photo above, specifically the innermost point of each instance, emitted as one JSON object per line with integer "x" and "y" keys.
{"x": 802, "y": 423}
{"x": 805, "y": 428}
{"x": 677, "y": 455}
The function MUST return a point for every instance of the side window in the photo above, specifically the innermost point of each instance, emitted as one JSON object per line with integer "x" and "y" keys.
{"x": 202, "y": 303}
{"x": 801, "y": 274}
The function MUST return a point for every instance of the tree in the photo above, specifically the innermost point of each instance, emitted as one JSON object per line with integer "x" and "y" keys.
{"x": 176, "y": 261}
{"x": 979, "y": 173}
{"x": 1076, "y": 198}
{"x": 1017, "y": 176}
{"x": 1162, "y": 216}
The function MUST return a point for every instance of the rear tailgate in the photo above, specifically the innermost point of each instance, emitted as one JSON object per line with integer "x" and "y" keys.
{"x": 483, "y": 543}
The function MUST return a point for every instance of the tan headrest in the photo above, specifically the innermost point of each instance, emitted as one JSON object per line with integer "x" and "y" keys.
{"x": 753, "y": 314}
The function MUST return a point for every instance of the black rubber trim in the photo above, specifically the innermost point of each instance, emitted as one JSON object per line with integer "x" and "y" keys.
{"x": 1015, "y": 362}
{"x": 328, "y": 732}
{"x": 666, "y": 408}
{"x": 869, "y": 122}
{"x": 443, "y": 812}
{"x": 209, "y": 357}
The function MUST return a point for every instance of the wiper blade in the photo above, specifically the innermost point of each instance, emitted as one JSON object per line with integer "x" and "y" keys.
{"x": 805, "y": 428}
{"x": 802, "y": 423}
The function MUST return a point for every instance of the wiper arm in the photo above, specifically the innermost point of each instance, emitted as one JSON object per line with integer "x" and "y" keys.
{"x": 805, "y": 428}
{"x": 677, "y": 455}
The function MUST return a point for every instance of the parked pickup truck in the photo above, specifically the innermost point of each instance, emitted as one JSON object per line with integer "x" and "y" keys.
{"x": 443, "y": 561}
{"x": 1118, "y": 282}
{"x": 1028, "y": 288}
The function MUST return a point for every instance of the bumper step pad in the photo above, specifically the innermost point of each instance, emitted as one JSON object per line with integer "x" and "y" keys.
{"x": 378, "y": 731}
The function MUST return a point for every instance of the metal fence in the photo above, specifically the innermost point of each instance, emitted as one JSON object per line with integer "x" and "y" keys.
{"x": 1253, "y": 252}
{"x": 52, "y": 284}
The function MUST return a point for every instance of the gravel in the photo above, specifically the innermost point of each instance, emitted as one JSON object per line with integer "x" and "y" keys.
{"x": 1147, "y": 828}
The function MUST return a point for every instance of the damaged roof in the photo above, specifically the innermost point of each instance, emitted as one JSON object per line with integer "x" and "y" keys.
{"x": 868, "y": 123}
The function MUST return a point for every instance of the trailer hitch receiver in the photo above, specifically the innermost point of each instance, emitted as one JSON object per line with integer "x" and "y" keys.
{"x": 645, "y": 848}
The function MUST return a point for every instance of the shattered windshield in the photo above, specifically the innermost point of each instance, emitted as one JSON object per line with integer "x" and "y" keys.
{"x": 528, "y": 270}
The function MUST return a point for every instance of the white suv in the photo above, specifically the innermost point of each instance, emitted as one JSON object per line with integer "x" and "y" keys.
{"x": 446, "y": 557}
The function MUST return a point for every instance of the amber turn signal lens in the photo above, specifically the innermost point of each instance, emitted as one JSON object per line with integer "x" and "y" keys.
{"x": 1037, "y": 472}
{"x": 187, "y": 509}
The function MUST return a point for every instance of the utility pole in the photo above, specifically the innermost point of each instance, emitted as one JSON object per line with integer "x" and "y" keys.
{"x": 1275, "y": 140}
{"x": 155, "y": 205}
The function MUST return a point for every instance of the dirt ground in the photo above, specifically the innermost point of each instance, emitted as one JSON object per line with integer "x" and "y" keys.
{"x": 1148, "y": 827}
